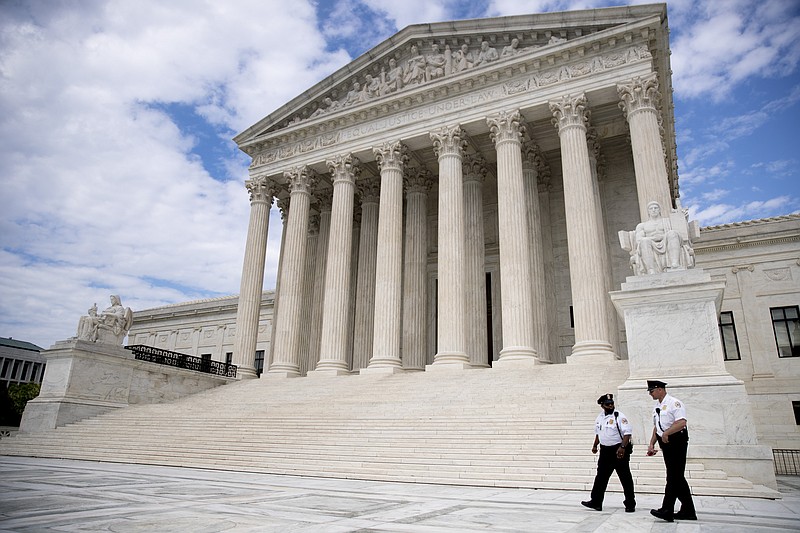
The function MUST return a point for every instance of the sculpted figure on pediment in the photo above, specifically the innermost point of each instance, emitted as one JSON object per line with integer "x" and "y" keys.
{"x": 659, "y": 244}
{"x": 464, "y": 59}
{"x": 328, "y": 105}
{"x": 435, "y": 63}
{"x": 486, "y": 55}
{"x": 556, "y": 40}
{"x": 391, "y": 80}
{"x": 354, "y": 95}
{"x": 372, "y": 87}
{"x": 511, "y": 50}
{"x": 414, "y": 72}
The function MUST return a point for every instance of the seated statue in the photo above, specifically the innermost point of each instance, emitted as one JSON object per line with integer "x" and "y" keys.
{"x": 110, "y": 326}
{"x": 659, "y": 244}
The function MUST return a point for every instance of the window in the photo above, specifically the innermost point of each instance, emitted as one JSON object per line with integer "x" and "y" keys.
{"x": 205, "y": 365}
{"x": 786, "y": 324}
{"x": 228, "y": 358}
{"x": 796, "y": 408}
{"x": 259, "y": 362}
{"x": 727, "y": 330}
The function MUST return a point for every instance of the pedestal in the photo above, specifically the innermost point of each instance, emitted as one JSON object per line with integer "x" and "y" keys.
{"x": 673, "y": 335}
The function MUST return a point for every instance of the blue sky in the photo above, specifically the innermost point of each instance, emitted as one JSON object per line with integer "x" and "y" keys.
{"x": 118, "y": 173}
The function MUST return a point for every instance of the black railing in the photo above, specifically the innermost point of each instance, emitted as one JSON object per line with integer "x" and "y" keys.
{"x": 166, "y": 357}
{"x": 787, "y": 462}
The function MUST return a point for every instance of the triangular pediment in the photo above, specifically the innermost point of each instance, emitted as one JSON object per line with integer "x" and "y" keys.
{"x": 427, "y": 56}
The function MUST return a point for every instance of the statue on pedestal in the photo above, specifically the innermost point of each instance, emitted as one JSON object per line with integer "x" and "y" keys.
{"x": 110, "y": 326}
{"x": 659, "y": 244}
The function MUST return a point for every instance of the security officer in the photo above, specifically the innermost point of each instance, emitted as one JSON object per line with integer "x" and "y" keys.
{"x": 613, "y": 433}
{"x": 672, "y": 434}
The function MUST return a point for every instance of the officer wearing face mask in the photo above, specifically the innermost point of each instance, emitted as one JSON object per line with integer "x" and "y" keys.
{"x": 612, "y": 432}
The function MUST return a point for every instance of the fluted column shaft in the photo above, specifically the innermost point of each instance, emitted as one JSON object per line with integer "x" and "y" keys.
{"x": 415, "y": 272}
{"x": 286, "y": 361}
{"x": 261, "y": 192}
{"x": 449, "y": 144}
{"x": 586, "y": 275}
{"x": 389, "y": 270}
{"x": 325, "y": 199}
{"x": 475, "y": 286}
{"x": 639, "y": 98}
{"x": 306, "y": 308}
{"x": 539, "y": 317}
{"x": 283, "y": 206}
{"x": 365, "y": 285}
{"x": 333, "y": 346}
{"x": 515, "y": 268}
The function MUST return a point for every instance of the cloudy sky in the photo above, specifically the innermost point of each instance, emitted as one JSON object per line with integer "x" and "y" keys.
{"x": 118, "y": 173}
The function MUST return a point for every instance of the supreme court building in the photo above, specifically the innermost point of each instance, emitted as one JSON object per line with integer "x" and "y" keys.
{"x": 453, "y": 199}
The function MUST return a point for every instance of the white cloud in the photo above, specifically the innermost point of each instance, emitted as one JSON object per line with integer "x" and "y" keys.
{"x": 713, "y": 214}
{"x": 101, "y": 192}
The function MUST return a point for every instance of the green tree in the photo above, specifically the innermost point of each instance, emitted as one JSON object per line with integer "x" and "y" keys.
{"x": 20, "y": 393}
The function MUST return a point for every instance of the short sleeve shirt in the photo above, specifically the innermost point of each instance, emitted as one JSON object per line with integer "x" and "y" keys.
{"x": 605, "y": 427}
{"x": 670, "y": 410}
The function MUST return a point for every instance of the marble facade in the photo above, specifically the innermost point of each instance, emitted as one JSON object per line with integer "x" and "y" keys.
{"x": 452, "y": 199}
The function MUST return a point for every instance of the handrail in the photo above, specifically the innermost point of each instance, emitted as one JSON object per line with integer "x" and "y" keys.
{"x": 180, "y": 360}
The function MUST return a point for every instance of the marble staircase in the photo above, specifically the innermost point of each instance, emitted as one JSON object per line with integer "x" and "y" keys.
{"x": 528, "y": 427}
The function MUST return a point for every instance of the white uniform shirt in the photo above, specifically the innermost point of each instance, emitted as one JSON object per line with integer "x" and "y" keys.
{"x": 670, "y": 410}
{"x": 605, "y": 427}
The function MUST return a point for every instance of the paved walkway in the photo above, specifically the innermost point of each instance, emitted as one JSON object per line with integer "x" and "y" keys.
{"x": 51, "y": 495}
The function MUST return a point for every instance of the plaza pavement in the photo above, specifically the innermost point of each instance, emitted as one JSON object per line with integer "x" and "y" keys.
{"x": 51, "y": 495}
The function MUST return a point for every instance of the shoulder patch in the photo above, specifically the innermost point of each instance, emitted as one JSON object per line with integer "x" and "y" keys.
{"x": 677, "y": 403}
{"x": 624, "y": 421}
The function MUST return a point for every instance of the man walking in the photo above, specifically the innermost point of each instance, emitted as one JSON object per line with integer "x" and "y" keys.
{"x": 672, "y": 434}
{"x": 613, "y": 433}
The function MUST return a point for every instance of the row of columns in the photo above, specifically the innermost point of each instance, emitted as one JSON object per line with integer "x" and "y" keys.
{"x": 397, "y": 327}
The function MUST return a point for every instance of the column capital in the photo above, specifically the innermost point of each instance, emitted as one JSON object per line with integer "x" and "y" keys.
{"x": 324, "y": 200}
{"x": 391, "y": 154}
{"x": 283, "y": 206}
{"x": 313, "y": 224}
{"x": 369, "y": 190}
{"x": 474, "y": 168}
{"x": 301, "y": 179}
{"x": 570, "y": 111}
{"x": 506, "y": 126}
{"x": 418, "y": 180}
{"x": 449, "y": 140}
{"x": 345, "y": 167}
{"x": 262, "y": 189}
{"x": 639, "y": 94}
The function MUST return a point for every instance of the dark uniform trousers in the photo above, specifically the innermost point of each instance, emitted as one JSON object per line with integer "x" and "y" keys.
{"x": 677, "y": 487}
{"x": 606, "y": 464}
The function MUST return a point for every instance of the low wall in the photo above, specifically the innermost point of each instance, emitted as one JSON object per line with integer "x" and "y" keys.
{"x": 84, "y": 379}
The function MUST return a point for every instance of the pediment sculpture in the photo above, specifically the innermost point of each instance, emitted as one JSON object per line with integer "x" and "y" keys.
{"x": 660, "y": 244}
{"x": 109, "y": 326}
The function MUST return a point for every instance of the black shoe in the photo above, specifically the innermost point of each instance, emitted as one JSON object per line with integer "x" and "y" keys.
{"x": 591, "y": 505}
{"x": 630, "y": 509}
{"x": 682, "y": 515}
{"x": 662, "y": 514}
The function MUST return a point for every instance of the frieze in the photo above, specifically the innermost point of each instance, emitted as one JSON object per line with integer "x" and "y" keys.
{"x": 537, "y": 79}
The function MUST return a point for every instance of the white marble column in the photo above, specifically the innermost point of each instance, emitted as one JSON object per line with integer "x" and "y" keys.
{"x": 639, "y": 100}
{"x": 448, "y": 144}
{"x": 262, "y": 191}
{"x": 475, "y": 276}
{"x": 286, "y": 362}
{"x": 597, "y": 166}
{"x": 391, "y": 158}
{"x": 333, "y": 346}
{"x": 369, "y": 190}
{"x": 585, "y": 270}
{"x": 324, "y": 204}
{"x": 539, "y": 315}
{"x": 306, "y": 308}
{"x": 515, "y": 267}
{"x": 415, "y": 264}
{"x": 283, "y": 206}
{"x": 351, "y": 299}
